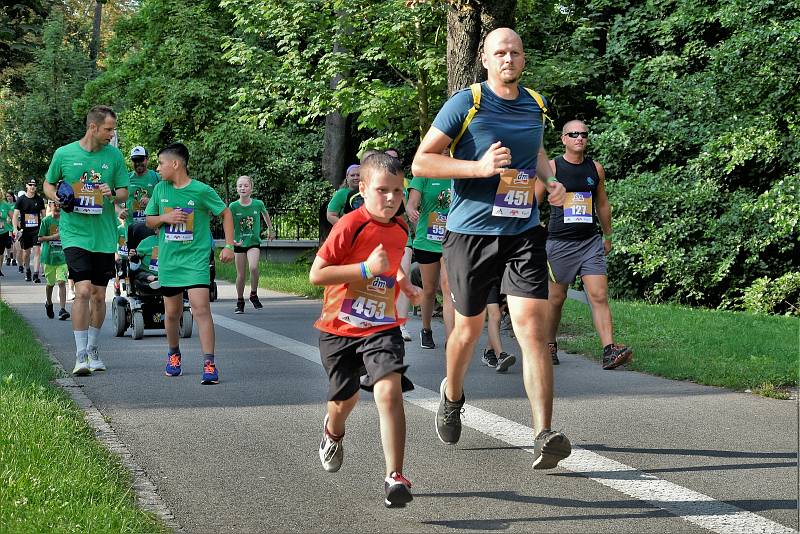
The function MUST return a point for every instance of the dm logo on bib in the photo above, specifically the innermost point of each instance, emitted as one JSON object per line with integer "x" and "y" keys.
{"x": 377, "y": 285}
{"x": 521, "y": 178}
{"x": 578, "y": 197}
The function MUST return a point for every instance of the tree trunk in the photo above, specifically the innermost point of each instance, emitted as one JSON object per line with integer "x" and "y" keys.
{"x": 468, "y": 22}
{"x": 94, "y": 47}
{"x": 423, "y": 103}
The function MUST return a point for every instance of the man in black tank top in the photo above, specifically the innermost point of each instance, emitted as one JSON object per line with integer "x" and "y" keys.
{"x": 574, "y": 244}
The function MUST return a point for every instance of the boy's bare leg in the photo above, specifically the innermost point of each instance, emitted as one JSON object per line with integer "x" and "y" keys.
{"x": 173, "y": 308}
{"x": 48, "y": 293}
{"x": 389, "y": 398}
{"x": 201, "y": 311}
{"x": 62, "y": 294}
{"x": 338, "y": 411}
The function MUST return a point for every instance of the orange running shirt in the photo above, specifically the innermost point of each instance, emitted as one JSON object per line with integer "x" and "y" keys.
{"x": 361, "y": 308}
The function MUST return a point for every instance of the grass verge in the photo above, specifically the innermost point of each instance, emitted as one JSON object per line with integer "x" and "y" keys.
{"x": 718, "y": 348}
{"x": 54, "y": 475}
{"x": 285, "y": 277}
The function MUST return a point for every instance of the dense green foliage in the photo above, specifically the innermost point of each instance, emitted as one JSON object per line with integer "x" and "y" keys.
{"x": 692, "y": 105}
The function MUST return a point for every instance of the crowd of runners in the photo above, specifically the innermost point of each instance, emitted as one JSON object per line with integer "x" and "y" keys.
{"x": 468, "y": 220}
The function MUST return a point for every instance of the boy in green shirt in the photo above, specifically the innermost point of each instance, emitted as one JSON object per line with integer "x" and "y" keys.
{"x": 53, "y": 263}
{"x": 247, "y": 214}
{"x": 179, "y": 213}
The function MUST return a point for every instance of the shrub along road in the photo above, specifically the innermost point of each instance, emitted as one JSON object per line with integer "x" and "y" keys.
{"x": 651, "y": 454}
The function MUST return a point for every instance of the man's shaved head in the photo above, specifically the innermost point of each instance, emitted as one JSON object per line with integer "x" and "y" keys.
{"x": 499, "y": 35}
{"x": 571, "y": 125}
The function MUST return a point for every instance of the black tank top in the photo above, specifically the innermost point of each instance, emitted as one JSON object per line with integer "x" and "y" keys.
{"x": 577, "y": 219}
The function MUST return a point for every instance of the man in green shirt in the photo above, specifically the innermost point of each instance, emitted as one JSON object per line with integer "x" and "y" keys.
{"x": 96, "y": 172}
{"x": 180, "y": 212}
{"x": 142, "y": 182}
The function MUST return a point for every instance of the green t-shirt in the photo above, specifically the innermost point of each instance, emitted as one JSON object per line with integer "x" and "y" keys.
{"x": 6, "y": 209}
{"x": 140, "y": 186}
{"x": 122, "y": 240}
{"x": 148, "y": 252}
{"x": 338, "y": 199}
{"x": 52, "y": 253}
{"x": 247, "y": 222}
{"x": 433, "y": 208}
{"x": 92, "y": 225}
{"x": 184, "y": 250}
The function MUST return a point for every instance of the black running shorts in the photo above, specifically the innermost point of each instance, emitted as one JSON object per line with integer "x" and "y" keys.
{"x": 29, "y": 239}
{"x": 346, "y": 359}
{"x": 243, "y": 250}
{"x": 477, "y": 262}
{"x": 97, "y": 267}
{"x": 172, "y": 291}
{"x": 425, "y": 257}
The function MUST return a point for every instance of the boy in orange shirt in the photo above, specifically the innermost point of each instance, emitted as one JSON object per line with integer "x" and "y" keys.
{"x": 359, "y": 264}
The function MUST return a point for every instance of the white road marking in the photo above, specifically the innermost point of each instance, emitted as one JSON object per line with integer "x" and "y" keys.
{"x": 692, "y": 506}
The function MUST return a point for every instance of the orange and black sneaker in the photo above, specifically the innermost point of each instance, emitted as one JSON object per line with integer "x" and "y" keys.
{"x": 173, "y": 364}
{"x": 615, "y": 355}
{"x": 210, "y": 373}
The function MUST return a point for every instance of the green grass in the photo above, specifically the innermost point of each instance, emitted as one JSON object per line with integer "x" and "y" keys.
{"x": 285, "y": 277}
{"x": 719, "y": 348}
{"x": 54, "y": 475}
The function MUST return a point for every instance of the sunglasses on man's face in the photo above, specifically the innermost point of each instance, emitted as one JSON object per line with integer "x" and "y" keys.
{"x": 574, "y": 135}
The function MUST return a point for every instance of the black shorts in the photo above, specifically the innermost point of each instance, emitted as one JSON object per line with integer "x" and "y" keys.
{"x": 241, "y": 250}
{"x": 172, "y": 291}
{"x": 494, "y": 296}
{"x": 29, "y": 239}
{"x": 425, "y": 257}
{"x": 346, "y": 359}
{"x": 5, "y": 242}
{"x": 97, "y": 267}
{"x": 475, "y": 263}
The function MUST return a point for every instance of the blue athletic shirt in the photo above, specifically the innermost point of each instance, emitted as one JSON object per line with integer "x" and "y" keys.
{"x": 518, "y": 124}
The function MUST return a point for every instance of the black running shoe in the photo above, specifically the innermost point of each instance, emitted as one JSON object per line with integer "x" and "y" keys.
{"x": 27, "y": 275}
{"x": 1, "y": 272}
{"x": 550, "y": 448}
{"x": 239, "y": 306}
{"x": 21, "y": 268}
{"x": 553, "y": 347}
{"x": 8, "y": 262}
{"x": 254, "y": 300}
{"x": 504, "y": 361}
{"x": 398, "y": 490}
{"x": 448, "y": 417}
{"x": 616, "y": 355}
{"x": 36, "y": 278}
{"x": 48, "y": 309}
{"x": 489, "y": 358}
{"x": 426, "y": 339}
{"x": 63, "y": 314}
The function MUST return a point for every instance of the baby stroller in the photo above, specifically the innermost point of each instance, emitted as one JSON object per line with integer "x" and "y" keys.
{"x": 142, "y": 306}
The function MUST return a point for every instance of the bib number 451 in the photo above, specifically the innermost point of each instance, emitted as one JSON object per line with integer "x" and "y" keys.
{"x": 369, "y": 309}
{"x": 516, "y": 198}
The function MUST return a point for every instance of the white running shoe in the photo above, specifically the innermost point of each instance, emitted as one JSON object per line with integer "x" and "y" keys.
{"x": 82, "y": 365}
{"x": 406, "y": 335}
{"x": 331, "y": 453}
{"x": 95, "y": 363}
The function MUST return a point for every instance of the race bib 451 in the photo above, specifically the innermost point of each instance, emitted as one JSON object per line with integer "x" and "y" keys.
{"x": 515, "y": 196}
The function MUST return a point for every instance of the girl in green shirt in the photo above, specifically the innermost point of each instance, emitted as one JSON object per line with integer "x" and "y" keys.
{"x": 247, "y": 215}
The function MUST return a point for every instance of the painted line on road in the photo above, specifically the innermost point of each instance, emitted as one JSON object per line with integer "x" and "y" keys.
{"x": 692, "y": 506}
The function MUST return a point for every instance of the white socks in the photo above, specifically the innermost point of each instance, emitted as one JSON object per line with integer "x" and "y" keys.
{"x": 94, "y": 333}
{"x": 81, "y": 340}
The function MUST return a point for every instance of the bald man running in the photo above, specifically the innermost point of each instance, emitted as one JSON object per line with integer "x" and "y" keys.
{"x": 493, "y": 232}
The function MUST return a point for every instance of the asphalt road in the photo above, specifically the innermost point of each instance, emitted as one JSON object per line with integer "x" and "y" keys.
{"x": 652, "y": 455}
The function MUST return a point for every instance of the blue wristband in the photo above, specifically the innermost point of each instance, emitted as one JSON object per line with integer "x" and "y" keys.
{"x": 363, "y": 267}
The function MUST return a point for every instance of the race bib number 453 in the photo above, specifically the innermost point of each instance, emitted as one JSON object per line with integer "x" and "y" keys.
{"x": 515, "y": 196}
{"x": 369, "y": 303}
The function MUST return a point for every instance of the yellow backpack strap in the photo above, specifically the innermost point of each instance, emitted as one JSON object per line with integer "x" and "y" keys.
{"x": 540, "y": 101}
{"x": 476, "y": 105}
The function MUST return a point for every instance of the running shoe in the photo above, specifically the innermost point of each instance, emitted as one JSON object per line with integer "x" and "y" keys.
{"x": 63, "y": 314}
{"x": 448, "y": 417}
{"x": 331, "y": 452}
{"x": 398, "y": 490}
{"x": 36, "y": 279}
{"x": 28, "y": 277}
{"x": 21, "y": 268}
{"x": 8, "y": 261}
{"x": 173, "y": 364}
{"x": 239, "y": 306}
{"x": 254, "y": 300}
{"x": 504, "y": 361}
{"x": 489, "y": 358}
{"x": 1, "y": 273}
{"x": 549, "y": 448}
{"x": 406, "y": 335}
{"x": 553, "y": 348}
{"x": 95, "y": 363}
{"x": 426, "y": 339}
{"x": 48, "y": 309}
{"x": 81, "y": 365}
{"x": 210, "y": 373}
{"x": 615, "y": 355}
